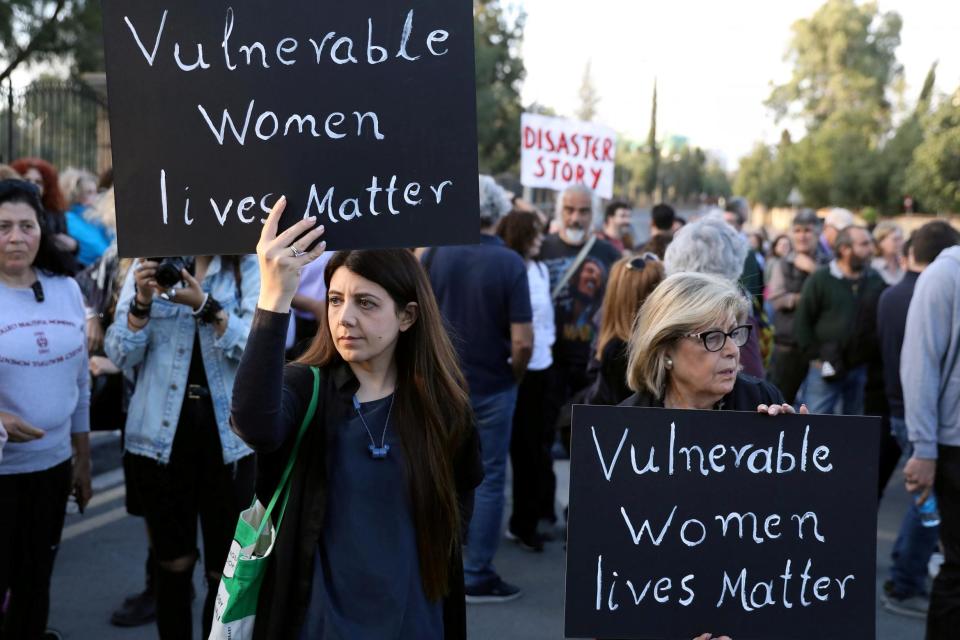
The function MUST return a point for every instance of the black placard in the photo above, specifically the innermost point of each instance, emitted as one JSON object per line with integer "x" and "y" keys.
{"x": 390, "y": 155}
{"x": 820, "y": 517}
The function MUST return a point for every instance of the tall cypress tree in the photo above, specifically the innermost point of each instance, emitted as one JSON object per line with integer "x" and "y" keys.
{"x": 651, "y": 182}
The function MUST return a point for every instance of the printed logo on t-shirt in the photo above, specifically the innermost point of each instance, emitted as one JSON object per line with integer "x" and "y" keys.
{"x": 52, "y": 342}
{"x": 42, "y": 343}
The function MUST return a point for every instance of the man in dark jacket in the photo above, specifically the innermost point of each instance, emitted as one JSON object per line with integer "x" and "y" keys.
{"x": 484, "y": 296}
{"x": 789, "y": 366}
{"x": 829, "y": 325}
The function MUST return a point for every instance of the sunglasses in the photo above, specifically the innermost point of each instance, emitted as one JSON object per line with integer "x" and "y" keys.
{"x": 714, "y": 340}
{"x": 638, "y": 263}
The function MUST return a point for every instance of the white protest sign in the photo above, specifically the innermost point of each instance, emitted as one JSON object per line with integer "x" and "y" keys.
{"x": 558, "y": 153}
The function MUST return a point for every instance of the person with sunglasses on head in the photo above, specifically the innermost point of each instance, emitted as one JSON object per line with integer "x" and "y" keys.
{"x": 685, "y": 350}
{"x": 632, "y": 280}
{"x": 44, "y": 406}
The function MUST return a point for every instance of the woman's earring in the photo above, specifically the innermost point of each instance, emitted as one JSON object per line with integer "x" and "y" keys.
{"x": 669, "y": 363}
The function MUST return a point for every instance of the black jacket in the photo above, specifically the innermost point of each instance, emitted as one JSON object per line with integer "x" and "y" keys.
{"x": 609, "y": 386}
{"x": 268, "y": 419}
{"x": 748, "y": 392}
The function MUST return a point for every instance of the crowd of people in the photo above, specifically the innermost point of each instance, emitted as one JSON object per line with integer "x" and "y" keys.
{"x": 422, "y": 374}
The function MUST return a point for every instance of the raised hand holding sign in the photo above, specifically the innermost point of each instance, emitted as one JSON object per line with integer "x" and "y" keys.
{"x": 283, "y": 256}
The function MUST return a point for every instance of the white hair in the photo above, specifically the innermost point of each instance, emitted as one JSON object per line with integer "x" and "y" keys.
{"x": 103, "y": 211}
{"x": 576, "y": 188}
{"x": 494, "y": 203}
{"x": 708, "y": 245}
{"x": 71, "y": 181}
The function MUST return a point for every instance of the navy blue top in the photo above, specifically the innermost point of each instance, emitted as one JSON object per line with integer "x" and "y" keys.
{"x": 366, "y": 576}
{"x": 482, "y": 289}
{"x": 891, "y": 326}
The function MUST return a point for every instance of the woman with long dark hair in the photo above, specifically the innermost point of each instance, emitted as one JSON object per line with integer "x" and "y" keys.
{"x": 370, "y": 543}
{"x": 44, "y": 406}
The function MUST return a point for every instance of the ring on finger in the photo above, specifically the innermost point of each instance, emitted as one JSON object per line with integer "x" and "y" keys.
{"x": 296, "y": 252}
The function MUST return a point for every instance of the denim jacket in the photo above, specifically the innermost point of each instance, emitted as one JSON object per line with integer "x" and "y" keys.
{"x": 161, "y": 354}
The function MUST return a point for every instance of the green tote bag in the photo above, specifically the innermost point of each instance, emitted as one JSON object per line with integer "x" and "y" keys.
{"x": 236, "y": 606}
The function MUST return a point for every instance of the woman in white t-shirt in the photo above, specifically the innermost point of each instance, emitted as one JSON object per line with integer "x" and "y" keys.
{"x": 534, "y": 483}
{"x": 44, "y": 406}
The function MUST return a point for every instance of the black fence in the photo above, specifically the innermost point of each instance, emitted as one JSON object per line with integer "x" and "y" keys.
{"x": 56, "y": 120}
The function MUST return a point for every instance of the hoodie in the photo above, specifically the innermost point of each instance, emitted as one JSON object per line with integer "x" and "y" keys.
{"x": 930, "y": 358}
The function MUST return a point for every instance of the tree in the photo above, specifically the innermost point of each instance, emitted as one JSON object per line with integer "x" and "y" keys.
{"x": 760, "y": 178}
{"x": 588, "y": 97}
{"x": 844, "y": 65}
{"x": 631, "y": 169}
{"x": 716, "y": 182}
{"x": 654, "y": 168}
{"x": 844, "y": 59}
{"x": 682, "y": 176}
{"x": 35, "y": 30}
{"x": 499, "y": 72}
{"x": 897, "y": 153}
{"x": 86, "y": 44}
{"x": 769, "y": 173}
{"x": 933, "y": 176}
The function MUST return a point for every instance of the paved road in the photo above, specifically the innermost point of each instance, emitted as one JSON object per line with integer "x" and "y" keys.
{"x": 101, "y": 560}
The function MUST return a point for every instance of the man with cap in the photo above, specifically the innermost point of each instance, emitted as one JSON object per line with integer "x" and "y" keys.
{"x": 484, "y": 297}
{"x": 836, "y": 221}
{"x": 789, "y": 366}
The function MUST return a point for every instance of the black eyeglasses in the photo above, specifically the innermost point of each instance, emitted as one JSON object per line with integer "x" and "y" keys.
{"x": 715, "y": 339}
{"x": 638, "y": 263}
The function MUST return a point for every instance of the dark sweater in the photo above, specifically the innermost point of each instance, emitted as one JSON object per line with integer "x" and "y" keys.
{"x": 269, "y": 402}
{"x": 748, "y": 393}
{"x": 891, "y": 325}
{"x": 827, "y": 325}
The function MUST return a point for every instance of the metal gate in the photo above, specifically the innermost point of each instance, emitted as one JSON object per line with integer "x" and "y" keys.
{"x": 61, "y": 121}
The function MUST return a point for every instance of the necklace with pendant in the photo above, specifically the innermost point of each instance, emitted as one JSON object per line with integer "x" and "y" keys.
{"x": 377, "y": 453}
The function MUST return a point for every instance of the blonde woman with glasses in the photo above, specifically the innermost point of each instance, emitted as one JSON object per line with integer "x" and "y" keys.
{"x": 685, "y": 350}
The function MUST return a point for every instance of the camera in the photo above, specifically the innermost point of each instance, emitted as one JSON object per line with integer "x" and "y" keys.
{"x": 168, "y": 270}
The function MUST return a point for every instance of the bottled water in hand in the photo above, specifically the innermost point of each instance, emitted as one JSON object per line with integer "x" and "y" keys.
{"x": 929, "y": 515}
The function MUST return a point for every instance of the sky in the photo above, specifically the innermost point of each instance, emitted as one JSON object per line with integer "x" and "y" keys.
{"x": 714, "y": 61}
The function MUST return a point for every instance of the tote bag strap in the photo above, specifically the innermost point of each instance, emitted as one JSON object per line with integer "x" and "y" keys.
{"x": 573, "y": 267}
{"x": 284, "y": 486}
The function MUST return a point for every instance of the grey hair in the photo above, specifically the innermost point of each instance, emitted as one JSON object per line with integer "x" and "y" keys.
{"x": 103, "y": 211}
{"x": 494, "y": 203}
{"x": 708, "y": 245}
{"x": 576, "y": 188}
{"x": 71, "y": 180}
